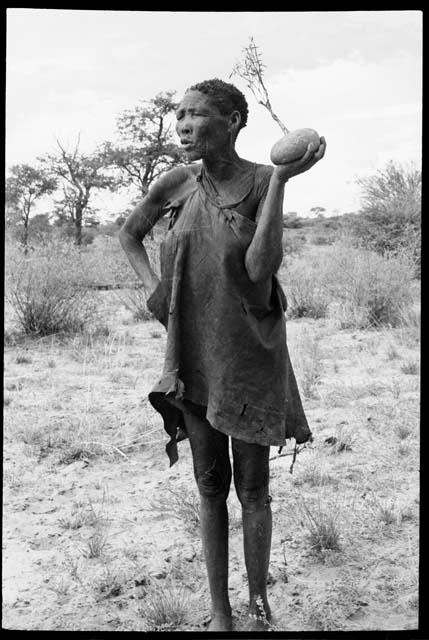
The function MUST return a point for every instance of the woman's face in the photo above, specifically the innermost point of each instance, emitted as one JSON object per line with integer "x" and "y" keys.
{"x": 203, "y": 131}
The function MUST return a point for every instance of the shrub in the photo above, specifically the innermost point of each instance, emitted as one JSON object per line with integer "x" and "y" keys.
{"x": 323, "y": 239}
{"x": 304, "y": 289}
{"x": 48, "y": 290}
{"x": 378, "y": 286}
{"x": 359, "y": 288}
{"x": 135, "y": 301}
{"x": 293, "y": 244}
{"x": 391, "y": 211}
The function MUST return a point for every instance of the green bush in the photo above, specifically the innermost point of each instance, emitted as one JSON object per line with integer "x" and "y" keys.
{"x": 48, "y": 289}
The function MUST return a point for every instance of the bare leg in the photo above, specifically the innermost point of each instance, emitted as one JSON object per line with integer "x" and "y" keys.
{"x": 251, "y": 477}
{"x": 212, "y": 470}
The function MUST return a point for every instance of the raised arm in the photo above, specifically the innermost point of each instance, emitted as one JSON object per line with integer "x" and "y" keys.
{"x": 142, "y": 219}
{"x": 265, "y": 253}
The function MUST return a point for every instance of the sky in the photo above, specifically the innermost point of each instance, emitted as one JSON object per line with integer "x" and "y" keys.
{"x": 354, "y": 76}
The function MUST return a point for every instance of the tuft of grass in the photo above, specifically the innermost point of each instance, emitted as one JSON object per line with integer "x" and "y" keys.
{"x": 402, "y": 431}
{"x": 165, "y": 608}
{"x": 387, "y": 514}
{"x": 321, "y": 524}
{"x": 60, "y": 586}
{"x": 6, "y": 401}
{"x": 384, "y": 510}
{"x": 342, "y": 441}
{"x": 109, "y": 585}
{"x": 392, "y": 353}
{"x": 155, "y": 334}
{"x": 410, "y": 368}
{"x": 84, "y": 515}
{"x": 183, "y": 505}
{"x": 23, "y": 359}
{"x": 315, "y": 475}
{"x": 95, "y": 544}
{"x": 404, "y": 449}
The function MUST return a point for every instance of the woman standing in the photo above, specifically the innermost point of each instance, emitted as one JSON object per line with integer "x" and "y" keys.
{"x": 227, "y": 371}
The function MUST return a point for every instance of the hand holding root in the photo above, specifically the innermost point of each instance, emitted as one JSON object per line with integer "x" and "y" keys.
{"x": 313, "y": 154}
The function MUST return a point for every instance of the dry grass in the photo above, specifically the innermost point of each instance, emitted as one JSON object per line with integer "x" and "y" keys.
{"x": 357, "y": 288}
{"x": 48, "y": 290}
{"x": 347, "y": 514}
{"x": 306, "y": 355}
{"x": 320, "y": 520}
{"x": 410, "y": 368}
{"x": 165, "y": 608}
{"x": 182, "y": 504}
{"x": 330, "y": 609}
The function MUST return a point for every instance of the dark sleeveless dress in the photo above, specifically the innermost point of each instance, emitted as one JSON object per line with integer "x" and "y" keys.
{"x": 226, "y": 356}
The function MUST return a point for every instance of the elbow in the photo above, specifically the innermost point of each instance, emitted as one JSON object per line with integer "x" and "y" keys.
{"x": 122, "y": 237}
{"x": 264, "y": 269}
{"x": 125, "y": 237}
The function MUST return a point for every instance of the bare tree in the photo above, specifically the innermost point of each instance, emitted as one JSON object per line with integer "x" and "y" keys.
{"x": 146, "y": 147}
{"x": 80, "y": 175}
{"x": 318, "y": 211}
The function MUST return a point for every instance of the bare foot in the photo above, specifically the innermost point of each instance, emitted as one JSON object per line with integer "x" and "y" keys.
{"x": 220, "y": 622}
{"x": 253, "y": 623}
{"x": 258, "y": 618}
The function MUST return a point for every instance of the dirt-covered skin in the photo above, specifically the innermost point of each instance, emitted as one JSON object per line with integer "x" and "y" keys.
{"x": 293, "y": 145}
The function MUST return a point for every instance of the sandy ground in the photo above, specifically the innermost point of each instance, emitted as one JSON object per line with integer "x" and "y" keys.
{"x": 100, "y": 534}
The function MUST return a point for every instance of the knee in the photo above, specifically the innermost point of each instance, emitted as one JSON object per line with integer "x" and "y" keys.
{"x": 213, "y": 484}
{"x": 253, "y": 494}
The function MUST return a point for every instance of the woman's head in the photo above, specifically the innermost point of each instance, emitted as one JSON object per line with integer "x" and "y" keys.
{"x": 225, "y": 96}
{"x": 209, "y": 118}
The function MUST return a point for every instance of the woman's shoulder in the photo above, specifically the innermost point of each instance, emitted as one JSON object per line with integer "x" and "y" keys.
{"x": 177, "y": 176}
{"x": 174, "y": 182}
{"x": 263, "y": 173}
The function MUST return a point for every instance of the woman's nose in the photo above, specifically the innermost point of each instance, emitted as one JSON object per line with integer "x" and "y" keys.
{"x": 183, "y": 127}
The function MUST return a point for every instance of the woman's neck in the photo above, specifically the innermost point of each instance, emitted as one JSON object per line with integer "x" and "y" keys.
{"x": 222, "y": 167}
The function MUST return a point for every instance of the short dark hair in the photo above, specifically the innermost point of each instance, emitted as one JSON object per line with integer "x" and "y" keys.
{"x": 225, "y": 96}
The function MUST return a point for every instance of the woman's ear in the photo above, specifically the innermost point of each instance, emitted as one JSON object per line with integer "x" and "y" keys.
{"x": 235, "y": 122}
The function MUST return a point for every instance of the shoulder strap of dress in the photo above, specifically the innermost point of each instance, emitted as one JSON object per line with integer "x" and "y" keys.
{"x": 230, "y": 205}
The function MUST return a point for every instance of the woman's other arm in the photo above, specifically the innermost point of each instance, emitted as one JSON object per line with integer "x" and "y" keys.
{"x": 142, "y": 219}
{"x": 265, "y": 253}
